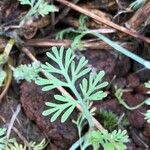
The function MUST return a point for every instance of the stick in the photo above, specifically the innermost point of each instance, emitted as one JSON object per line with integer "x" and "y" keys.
{"x": 104, "y": 20}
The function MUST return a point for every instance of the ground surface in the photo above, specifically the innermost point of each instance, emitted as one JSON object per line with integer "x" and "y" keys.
{"x": 120, "y": 71}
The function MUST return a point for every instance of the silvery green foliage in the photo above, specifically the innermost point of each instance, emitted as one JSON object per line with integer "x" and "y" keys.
{"x": 26, "y": 72}
{"x": 2, "y": 138}
{"x": 115, "y": 140}
{"x": 89, "y": 87}
{"x": 38, "y": 7}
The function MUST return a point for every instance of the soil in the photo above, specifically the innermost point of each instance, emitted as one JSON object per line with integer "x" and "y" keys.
{"x": 120, "y": 70}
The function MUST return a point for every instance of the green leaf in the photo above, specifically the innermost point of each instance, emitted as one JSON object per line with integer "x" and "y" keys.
{"x": 98, "y": 95}
{"x": 147, "y": 101}
{"x": 147, "y": 116}
{"x": 26, "y": 72}
{"x": 91, "y": 89}
{"x": 2, "y": 76}
{"x": 70, "y": 72}
{"x": 2, "y": 138}
{"x": 44, "y": 9}
{"x": 110, "y": 141}
{"x": 25, "y": 2}
{"x": 56, "y": 109}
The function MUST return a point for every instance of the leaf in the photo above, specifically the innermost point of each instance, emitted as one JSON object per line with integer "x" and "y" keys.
{"x": 2, "y": 76}
{"x": 56, "y": 109}
{"x": 44, "y": 9}
{"x": 98, "y": 95}
{"x": 65, "y": 66}
{"x": 25, "y": 2}
{"x": 147, "y": 84}
{"x": 2, "y": 138}
{"x": 147, "y": 101}
{"x": 91, "y": 89}
{"x": 147, "y": 116}
{"x": 26, "y": 72}
{"x": 110, "y": 141}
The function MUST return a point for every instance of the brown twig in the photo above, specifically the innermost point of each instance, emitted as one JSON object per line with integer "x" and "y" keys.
{"x": 92, "y": 44}
{"x": 104, "y": 20}
{"x": 63, "y": 13}
{"x": 61, "y": 89}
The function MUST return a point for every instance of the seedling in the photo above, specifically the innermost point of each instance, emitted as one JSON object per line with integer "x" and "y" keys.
{"x": 39, "y": 7}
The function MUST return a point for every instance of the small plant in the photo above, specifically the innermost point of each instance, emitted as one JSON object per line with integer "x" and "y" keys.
{"x": 110, "y": 141}
{"x": 26, "y": 72}
{"x": 90, "y": 90}
{"x": 12, "y": 144}
{"x": 115, "y": 140}
{"x": 90, "y": 87}
{"x": 39, "y": 7}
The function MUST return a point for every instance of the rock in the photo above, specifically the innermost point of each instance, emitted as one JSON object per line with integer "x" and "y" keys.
{"x": 132, "y": 99}
{"x": 141, "y": 89}
{"x": 104, "y": 60}
{"x": 61, "y": 135}
{"x": 146, "y": 130}
{"x": 133, "y": 81}
{"x": 136, "y": 117}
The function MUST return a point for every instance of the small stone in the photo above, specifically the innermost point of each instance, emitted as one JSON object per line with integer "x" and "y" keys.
{"x": 133, "y": 81}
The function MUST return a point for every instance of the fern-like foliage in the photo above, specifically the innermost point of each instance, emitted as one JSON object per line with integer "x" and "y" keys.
{"x": 2, "y": 138}
{"x": 33, "y": 145}
{"x": 26, "y": 72}
{"x": 110, "y": 141}
{"x": 115, "y": 140}
{"x": 15, "y": 146}
{"x": 57, "y": 109}
{"x": 72, "y": 72}
{"x": 39, "y": 7}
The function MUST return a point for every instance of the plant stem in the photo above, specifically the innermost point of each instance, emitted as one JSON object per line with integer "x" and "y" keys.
{"x": 84, "y": 106}
{"x": 132, "y": 108}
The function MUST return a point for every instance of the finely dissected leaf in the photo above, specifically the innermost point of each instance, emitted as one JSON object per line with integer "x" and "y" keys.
{"x": 44, "y": 9}
{"x": 91, "y": 89}
{"x": 56, "y": 109}
{"x": 26, "y": 72}
{"x": 71, "y": 72}
{"x": 113, "y": 141}
{"x": 25, "y": 2}
{"x": 147, "y": 116}
{"x": 38, "y": 146}
{"x": 2, "y": 138}
{"x": 147, "y": 101}
{"x": 38, "y": 7}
